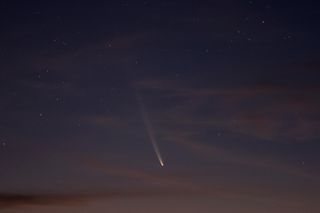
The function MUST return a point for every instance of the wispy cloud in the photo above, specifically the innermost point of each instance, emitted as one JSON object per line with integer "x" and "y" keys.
{"x": 251, "y": 160}
{"x": 277, "y": 113}
{"x": 10, "y": 200}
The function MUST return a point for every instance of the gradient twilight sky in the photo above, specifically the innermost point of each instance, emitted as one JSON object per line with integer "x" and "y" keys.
{"x": 229, "y": 91}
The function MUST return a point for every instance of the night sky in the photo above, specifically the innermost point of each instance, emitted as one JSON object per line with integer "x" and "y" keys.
{"x": 95, "y": 96}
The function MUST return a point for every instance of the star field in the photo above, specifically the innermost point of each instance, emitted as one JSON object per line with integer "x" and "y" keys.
{"x": 159, "y": 106}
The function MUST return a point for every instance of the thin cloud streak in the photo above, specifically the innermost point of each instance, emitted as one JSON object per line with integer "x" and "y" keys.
{"x": 214, "y": 153}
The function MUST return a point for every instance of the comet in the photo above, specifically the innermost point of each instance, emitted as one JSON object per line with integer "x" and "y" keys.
{"x": 149, "y": 128}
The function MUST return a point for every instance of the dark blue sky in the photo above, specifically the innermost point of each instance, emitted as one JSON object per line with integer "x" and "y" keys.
{"x": 229, "y": 91}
